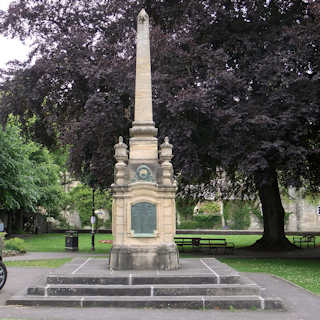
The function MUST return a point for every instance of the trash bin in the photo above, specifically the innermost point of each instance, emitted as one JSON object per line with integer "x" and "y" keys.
{"x": 72, "y": 241}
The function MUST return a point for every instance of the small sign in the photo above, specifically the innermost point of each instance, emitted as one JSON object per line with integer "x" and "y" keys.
{"x": 93, "y": 219}
{"x": 143, "y": 218}
{"x": 318, "y": 210}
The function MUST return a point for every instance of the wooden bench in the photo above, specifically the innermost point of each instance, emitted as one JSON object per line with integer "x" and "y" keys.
{"x": 187, "y": 242}
{"x": 307, "y": 239}
{"x": 213, "y": 244}
{"x": 217, "y": 244}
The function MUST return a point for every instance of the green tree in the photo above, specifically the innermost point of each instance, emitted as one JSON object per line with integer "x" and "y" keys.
{"x": 47, "y": 179}
{"x": 29, "y": 178}
{"x": 80, "y": 199}
{"x": 18, "y": 189}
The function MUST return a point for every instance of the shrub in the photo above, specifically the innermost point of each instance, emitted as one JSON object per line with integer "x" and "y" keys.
{"x": 207, "y": 221}
{"x": 210, "y": 207}
{"x": 80, "y": 199}
{"x": 188, "y": 224}
{"x": 184, "y": 208}
{"x": 108, "y": 223}
{"x": 237, "y": 214}
{"x": 16, "y": 244}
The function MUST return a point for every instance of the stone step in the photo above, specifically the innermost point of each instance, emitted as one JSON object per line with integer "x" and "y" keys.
{"x": 199, "y": 284}
{"x": 142, "y": 280}
{"x": 145, "y": 290}
{"x": 187, "y": 302}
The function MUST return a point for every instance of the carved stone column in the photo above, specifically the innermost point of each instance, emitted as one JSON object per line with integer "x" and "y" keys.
{"x": 166, "y": 165}
{"x": 121, "y": 155}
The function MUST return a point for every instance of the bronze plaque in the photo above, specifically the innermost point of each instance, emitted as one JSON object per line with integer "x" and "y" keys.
{"x": 143, "y": 218}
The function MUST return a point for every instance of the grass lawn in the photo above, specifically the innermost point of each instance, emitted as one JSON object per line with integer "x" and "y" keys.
{"x": 49, "y": 263}
{"x": 55, "y": 242}
{"x": 238, "y": 240}
{"x": 303, "y": 272}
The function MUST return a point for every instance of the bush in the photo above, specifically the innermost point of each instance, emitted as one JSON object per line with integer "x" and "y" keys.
{"x": 80, "y": 199}
{"x": 184, "y": 208}
{"x": 237, "y": 214}
{"x": 210, "y": 207}
{"x": 108, "y": 223}
{"x": 202, "y": 222}
{"x": 16, "y": 244}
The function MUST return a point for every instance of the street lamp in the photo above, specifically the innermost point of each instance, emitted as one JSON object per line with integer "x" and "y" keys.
{"x": 92, "y": 220}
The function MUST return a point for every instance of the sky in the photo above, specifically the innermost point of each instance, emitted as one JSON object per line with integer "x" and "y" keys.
{"x": 11, "y": 49}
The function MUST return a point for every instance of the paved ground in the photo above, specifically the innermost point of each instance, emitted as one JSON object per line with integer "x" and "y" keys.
{"x": 49, "y": 255}
{"x": 300, "y": 304}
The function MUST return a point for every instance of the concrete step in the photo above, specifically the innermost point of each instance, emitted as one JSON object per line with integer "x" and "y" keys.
{"x": 187, "y": 302}
{"x": 142, "y": 280}
{"x": 145, "y": 290}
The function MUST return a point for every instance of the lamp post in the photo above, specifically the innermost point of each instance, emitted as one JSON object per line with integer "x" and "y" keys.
{"x": 92, "y": 220}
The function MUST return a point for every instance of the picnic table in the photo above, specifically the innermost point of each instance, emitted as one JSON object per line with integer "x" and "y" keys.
{"x": 307, "y": 239}
{"x": 213, "y": 244}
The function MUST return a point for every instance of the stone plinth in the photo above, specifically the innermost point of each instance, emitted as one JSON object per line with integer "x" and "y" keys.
{"x": 138, "y": 249}
{"x": 157, "y": 257}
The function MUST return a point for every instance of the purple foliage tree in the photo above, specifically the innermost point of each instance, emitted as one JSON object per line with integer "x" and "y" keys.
{"x": 235, "y": 86}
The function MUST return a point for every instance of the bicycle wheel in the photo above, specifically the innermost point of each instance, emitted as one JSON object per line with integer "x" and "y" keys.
{"x": 3, "y": 274}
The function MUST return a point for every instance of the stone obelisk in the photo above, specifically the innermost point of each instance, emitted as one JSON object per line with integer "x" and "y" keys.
{"x": 143, "y": 210}
{"x": 143, "y": 131}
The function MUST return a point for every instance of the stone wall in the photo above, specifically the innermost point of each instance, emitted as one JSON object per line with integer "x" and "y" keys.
{"x": 304, "y": 215}
{"x": 304, "y": 212}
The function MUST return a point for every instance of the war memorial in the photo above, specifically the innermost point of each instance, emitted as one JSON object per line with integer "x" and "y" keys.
{"x": 143, "y": 268}
{"x": 143, "y": 212}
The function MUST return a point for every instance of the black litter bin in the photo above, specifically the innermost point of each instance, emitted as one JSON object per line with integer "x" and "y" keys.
{"x": 72, "y": 242}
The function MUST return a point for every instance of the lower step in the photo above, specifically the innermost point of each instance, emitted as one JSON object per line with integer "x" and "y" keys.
{"x": 146, "y": 290}
{"x": 203, "y": 303}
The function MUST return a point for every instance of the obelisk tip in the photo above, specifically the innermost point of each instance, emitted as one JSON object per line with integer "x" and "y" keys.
{"x": 142, "y": 16}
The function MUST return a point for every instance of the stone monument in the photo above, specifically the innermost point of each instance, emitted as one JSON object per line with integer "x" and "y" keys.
{"x": 143, "y": 210}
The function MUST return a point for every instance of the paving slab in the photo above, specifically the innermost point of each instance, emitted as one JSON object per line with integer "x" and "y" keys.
{"x": 51, "y": 255}
{"x": 191, "y": 270}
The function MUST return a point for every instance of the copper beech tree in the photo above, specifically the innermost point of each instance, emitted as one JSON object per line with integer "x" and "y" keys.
{"x": 235, "y": 86}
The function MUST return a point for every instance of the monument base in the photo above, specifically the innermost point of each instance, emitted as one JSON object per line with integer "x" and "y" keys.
{"x": 162, "y": 257}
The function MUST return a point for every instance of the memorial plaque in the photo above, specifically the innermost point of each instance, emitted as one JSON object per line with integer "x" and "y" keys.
{"x": 143, "y": 218}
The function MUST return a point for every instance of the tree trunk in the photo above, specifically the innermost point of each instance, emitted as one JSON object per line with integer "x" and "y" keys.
{"x": 19, "y": 220}
{"x": 9, "y": 225}
{"x": 273, "y": 213}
